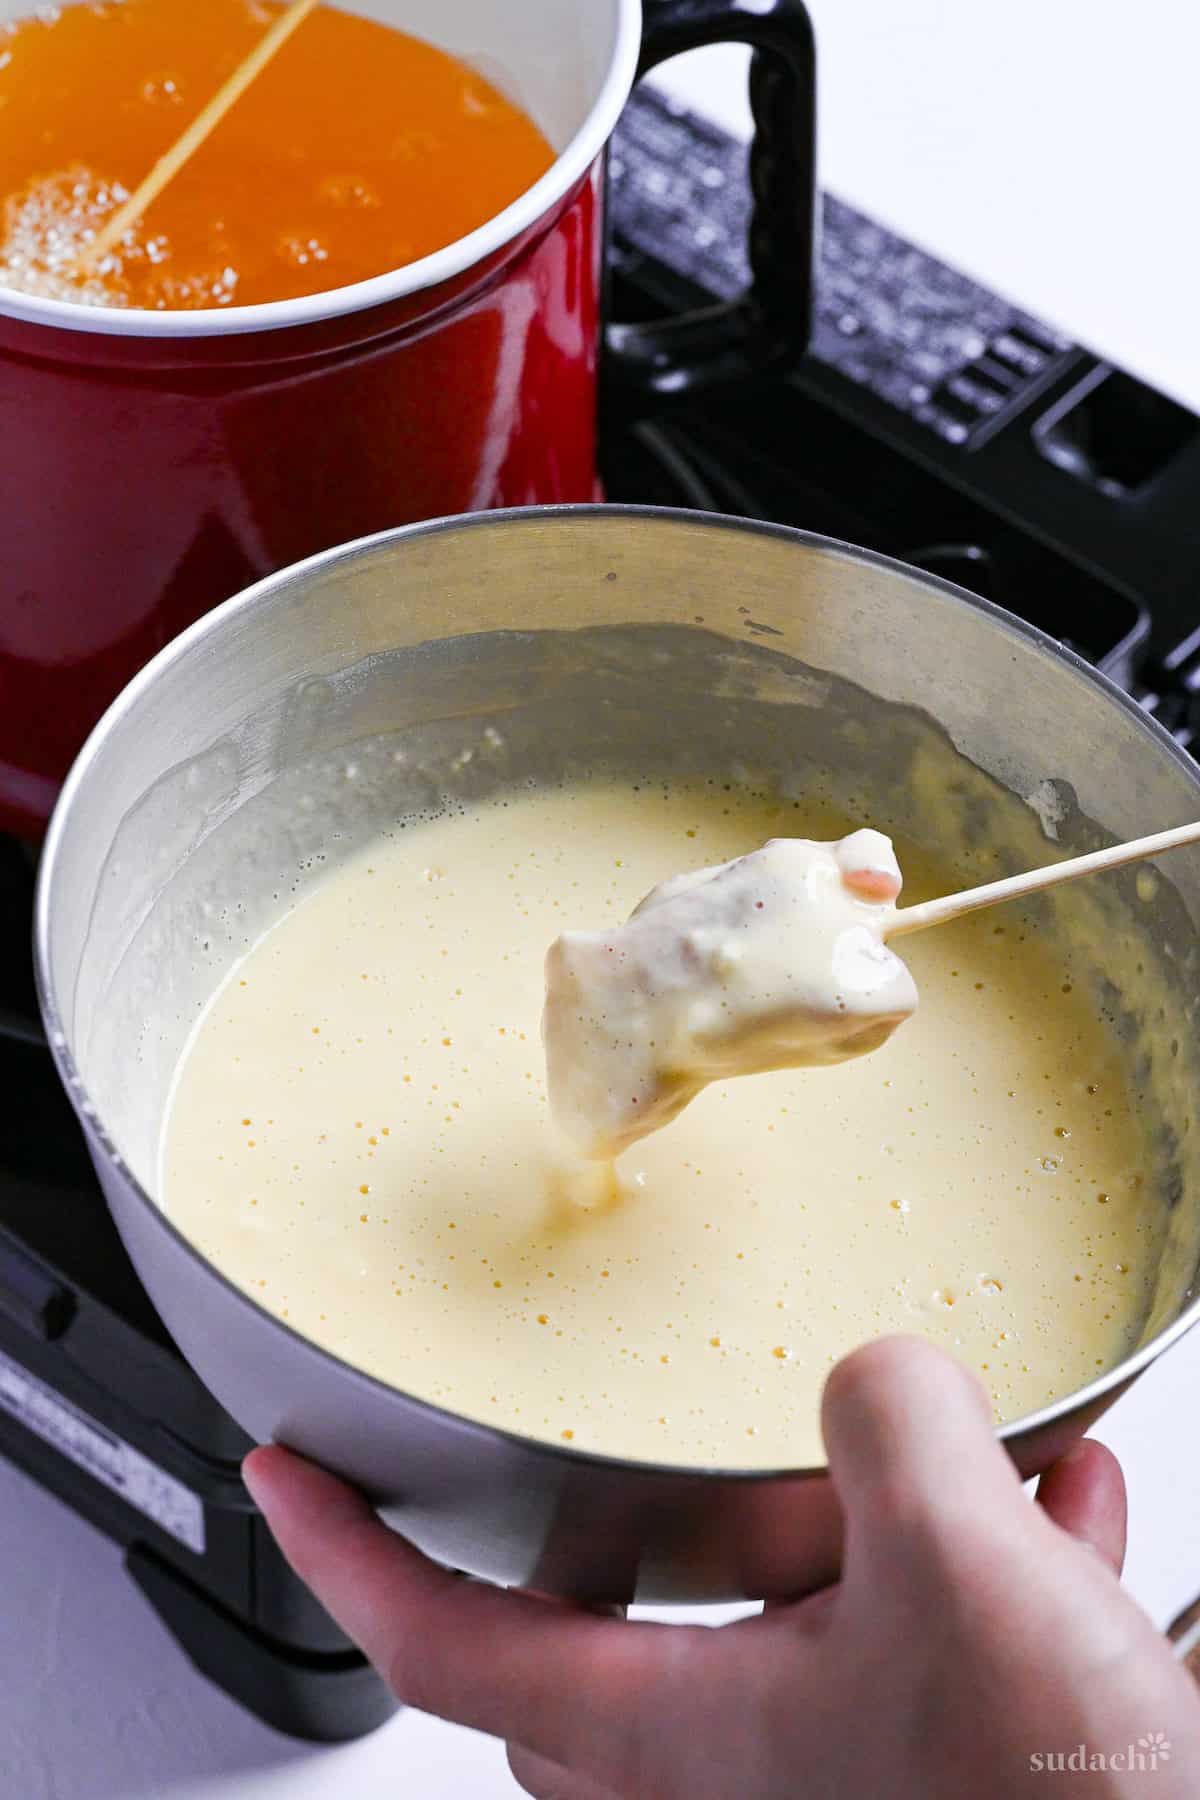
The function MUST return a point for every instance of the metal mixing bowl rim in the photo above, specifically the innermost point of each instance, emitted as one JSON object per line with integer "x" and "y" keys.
{"x": 214, "y": 621}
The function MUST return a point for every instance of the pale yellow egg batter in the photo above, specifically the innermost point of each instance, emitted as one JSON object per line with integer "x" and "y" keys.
{"x": 359, "y": 1137}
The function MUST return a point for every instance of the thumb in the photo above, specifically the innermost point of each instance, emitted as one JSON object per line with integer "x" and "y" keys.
{"x": 912, "y": 1449}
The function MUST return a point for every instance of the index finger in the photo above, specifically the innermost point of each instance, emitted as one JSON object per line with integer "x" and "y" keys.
{"x": 1084, "y": 1494}
{"x": 580, "y": 1690}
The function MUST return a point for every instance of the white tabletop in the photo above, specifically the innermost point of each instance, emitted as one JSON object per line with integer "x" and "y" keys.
{"x": 1049, "y": 150}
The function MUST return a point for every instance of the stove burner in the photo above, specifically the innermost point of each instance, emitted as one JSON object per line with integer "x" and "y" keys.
{"x": 968, "y": 565}
{"x": 17, "y": 1029}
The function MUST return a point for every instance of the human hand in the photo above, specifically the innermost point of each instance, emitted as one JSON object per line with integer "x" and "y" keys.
{"x": 970, "y": 1633}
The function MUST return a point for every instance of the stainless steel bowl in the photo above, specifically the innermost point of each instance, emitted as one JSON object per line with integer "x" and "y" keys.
{"x": 470, "y": 653}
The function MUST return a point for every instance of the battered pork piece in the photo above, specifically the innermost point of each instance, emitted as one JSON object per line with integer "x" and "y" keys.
{"x": 775, "y": 960}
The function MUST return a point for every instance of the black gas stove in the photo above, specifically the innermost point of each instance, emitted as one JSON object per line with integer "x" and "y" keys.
{"x": 932, "y": 420}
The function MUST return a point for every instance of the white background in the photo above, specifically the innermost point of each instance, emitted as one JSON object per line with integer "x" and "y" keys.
{"x": 1048, "y": 147}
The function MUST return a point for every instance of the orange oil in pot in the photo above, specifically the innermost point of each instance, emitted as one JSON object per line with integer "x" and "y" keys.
{"x": 357, "y": 149}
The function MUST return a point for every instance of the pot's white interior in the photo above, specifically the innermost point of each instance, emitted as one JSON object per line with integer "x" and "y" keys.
{"x": 568, "y": 63}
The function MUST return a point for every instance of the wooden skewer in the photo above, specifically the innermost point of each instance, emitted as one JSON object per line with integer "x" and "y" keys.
{"x": 210, "y": 116}
{"x": 1013, "y": 887}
